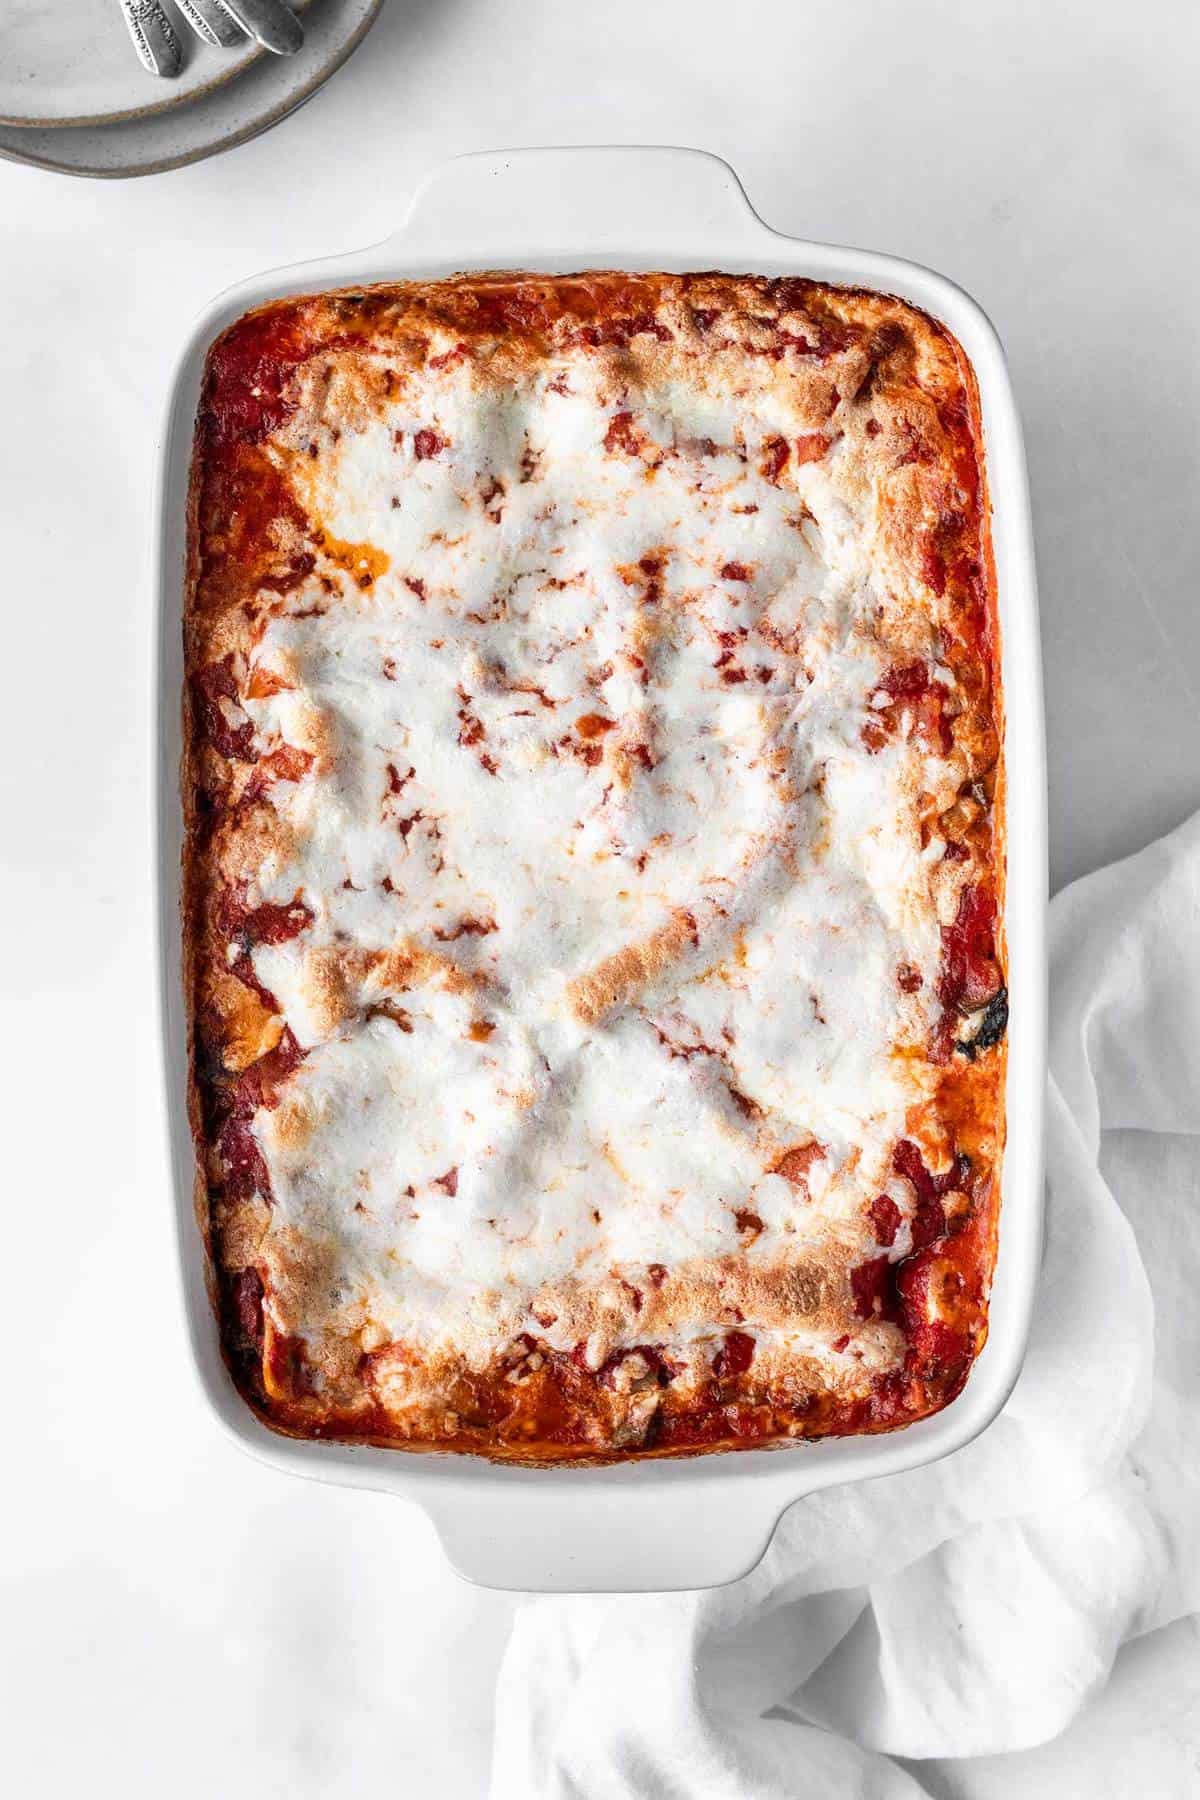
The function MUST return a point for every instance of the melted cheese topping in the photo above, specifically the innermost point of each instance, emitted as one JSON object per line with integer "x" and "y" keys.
{"x": 589, "y": 754}
{"x": 594, "y": 862}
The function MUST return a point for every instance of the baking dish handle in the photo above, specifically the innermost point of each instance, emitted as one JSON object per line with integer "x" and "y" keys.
{"x": 489, "y": 205}
{"x": 623, "y": 1535}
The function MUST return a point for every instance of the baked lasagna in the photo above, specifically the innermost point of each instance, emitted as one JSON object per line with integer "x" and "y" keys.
{"x": 594, "y": 863}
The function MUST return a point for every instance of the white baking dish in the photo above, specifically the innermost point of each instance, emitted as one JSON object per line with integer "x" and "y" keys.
{"x": 695, "y": 1522}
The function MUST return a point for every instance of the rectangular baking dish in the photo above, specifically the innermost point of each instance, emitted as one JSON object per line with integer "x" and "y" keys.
{"x": 694, "y": 1522}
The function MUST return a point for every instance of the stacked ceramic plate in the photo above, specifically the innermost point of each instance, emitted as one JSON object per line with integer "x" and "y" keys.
{"x": 75, "y": 96}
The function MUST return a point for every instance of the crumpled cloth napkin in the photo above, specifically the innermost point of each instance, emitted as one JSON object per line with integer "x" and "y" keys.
{"x": 973, "y": 1606}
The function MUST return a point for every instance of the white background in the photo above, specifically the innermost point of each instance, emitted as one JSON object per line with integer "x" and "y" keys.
{"x": 175, "y": 1619}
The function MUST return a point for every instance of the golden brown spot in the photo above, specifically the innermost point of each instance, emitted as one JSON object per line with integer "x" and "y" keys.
{"x": 795, "y": 1163}
{"x": 594, "y": 725}
{"x": 241, "y": 1226}
{"x": 410, "y": 965}
{"x": 328, "y": 981}
{"x": 246, "y": 1027}
{"x": 621, "y": 976}
{"x": 469, "y": 926}
{"x": 293, "y": 1123}
{"x": 748, "y": 1107}
{"x": 364, "y": 563}
{"x": 264, "y": 682}
{"x": 396, "y": 1015}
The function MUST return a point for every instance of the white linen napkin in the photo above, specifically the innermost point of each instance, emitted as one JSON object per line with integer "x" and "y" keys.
{"x": 973, "y": 1606}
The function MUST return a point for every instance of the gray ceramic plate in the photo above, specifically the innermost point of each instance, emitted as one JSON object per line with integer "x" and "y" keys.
{"x": 224, "y": 113}
{"x": 74, "y": 64}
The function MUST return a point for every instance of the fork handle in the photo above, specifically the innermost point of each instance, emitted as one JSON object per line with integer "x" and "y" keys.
{"x": 210, "y": 21}
{"x": 273, "y": 23}
{"x": 154, "y": 37}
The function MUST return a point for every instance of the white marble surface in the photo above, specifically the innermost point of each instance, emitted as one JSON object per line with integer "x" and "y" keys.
{"x": 174, "y": 1619}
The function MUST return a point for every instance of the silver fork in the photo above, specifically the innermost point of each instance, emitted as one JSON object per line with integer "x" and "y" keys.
{"x": 271, "y": 22}
{"x": 221, "y": 22}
